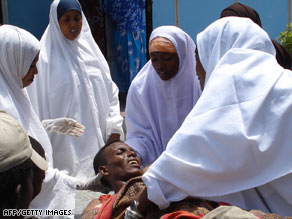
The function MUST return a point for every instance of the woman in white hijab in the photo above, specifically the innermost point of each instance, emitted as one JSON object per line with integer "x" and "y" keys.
{"x": 162, "y": 94}
{"x": 19, "y": 54}
{"x": 235, "y": 145}
{"x": 75, "y": 83}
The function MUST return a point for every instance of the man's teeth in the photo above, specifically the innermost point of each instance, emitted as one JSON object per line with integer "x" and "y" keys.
{"x": 133, "y": 162}
{"x": 73, "y": 31}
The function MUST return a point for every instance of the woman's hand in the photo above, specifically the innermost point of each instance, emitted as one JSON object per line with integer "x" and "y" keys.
{"x": 113, "y": 137}
{"x": 64, "y": 126}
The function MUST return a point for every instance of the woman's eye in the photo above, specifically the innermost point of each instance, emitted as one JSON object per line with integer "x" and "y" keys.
{"x": 168, "y": 59}
{"x": 77, "y": 19}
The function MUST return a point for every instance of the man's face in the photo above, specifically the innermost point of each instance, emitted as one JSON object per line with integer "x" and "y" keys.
{"x": 200, "y": 71}
{"x": 122, "y": 162}
{"x": 26, "y": 192}
{"x": 166, "y": 64}
{"x": 71, "y": 24}
{"x": 39, "y": 176}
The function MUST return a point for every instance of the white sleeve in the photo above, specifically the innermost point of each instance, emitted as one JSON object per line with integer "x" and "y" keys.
{"x": 58, "y": 192}
{"x": 139, "y": 129}
{"x": 114, "y": 120}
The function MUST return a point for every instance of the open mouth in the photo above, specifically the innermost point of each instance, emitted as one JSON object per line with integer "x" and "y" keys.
{"x": 73, "y": 31}
{"x": 162, "y": 74}
{"x": 134, "y": 163}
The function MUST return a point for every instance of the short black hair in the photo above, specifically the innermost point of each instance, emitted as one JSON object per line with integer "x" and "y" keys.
{"x": 99, "y": 159}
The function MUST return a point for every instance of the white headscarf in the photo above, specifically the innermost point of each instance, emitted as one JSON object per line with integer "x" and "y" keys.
{"x": 75, "y": 82}
{"x": 238, "y": 136}
{"x": 155, "y": 108}
{"x": 18, "y": 49}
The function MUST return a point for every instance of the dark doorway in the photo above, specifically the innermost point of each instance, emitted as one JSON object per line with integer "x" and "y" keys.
{"x": 149, "y": 22}
{"x": 1, "y": 15}
{"x": 94, "y": 14}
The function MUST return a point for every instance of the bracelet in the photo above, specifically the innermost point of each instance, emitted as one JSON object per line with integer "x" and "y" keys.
{"x": 132, "y": 211}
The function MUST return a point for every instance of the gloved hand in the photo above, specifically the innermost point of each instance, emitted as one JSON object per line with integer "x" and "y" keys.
{"x": 64, "y": 126}
{"x": 93, "y": 184}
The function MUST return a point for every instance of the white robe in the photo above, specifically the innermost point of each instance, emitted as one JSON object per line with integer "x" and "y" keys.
{"x": 74, "y": 81}
{"x": 18, "y": 49}
{"x": 236, "y": 142}
{"x": 155, "y": 109}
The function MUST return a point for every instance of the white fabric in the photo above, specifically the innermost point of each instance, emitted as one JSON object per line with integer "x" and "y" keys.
{"x": 155, "y": 108}
{"x": 238, "y": 136}
{"x": 75, "y": 82}
{"x": 18, "y": 49}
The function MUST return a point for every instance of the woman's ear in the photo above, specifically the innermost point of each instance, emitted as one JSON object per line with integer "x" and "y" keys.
{"x": 103, "y": 170}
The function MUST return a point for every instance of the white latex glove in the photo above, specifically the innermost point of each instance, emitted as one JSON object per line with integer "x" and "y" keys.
{"x": 64, "y": 126}
{"x": 93, "y": 184}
